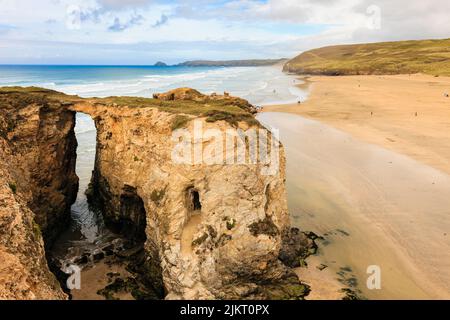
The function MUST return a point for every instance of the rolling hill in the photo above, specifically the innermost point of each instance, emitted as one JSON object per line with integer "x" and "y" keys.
{"x": 401, "y": 57}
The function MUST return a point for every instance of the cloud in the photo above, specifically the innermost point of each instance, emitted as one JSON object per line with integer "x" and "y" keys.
{"x": 120, "y": 4}
{"x": 51, "y": 21}
{"x": 162, "y": 21}
{"x": 117, "y": 26}
{"x": 214, "y": 29}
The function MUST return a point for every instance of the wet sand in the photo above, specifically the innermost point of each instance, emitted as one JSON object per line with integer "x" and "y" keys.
{"x": 324, "y": 283}
{"x": 374, "y": 206}
{"x": 96, "y": 278}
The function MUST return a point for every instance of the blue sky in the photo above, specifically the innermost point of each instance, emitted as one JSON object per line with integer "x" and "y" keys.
{"x": 146, "y": 31}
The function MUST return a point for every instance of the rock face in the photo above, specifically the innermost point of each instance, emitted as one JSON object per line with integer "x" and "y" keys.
{"x": 24, "y": 273}
{"x": 40, "y": 136}
{"x": 37, "y": 186}
{"x": 211, "y": 229}
{"x": 216, "y": 229}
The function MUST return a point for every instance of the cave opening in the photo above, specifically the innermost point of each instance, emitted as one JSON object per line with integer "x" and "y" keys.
{"x": 146, "y": 263}
{"x": 193, "y": 219}
{"x": 134, "y": 220}
{"x": 194, "y": 203}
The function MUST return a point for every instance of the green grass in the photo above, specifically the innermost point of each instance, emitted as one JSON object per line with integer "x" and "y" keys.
{"x": 179, "y": 121}
{"x": 402, "y": 57}
{"x": 230, "y": 110}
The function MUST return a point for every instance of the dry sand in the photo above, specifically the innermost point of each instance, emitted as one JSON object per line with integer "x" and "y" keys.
{"x": 382, "y": 110}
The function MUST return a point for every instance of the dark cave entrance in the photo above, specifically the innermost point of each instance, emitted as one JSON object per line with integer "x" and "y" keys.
{"x": 193, "y": 199}
{"x": 132, "y": 210}
{"x": 192, "y": 220}
{"x": 145, "y": 263}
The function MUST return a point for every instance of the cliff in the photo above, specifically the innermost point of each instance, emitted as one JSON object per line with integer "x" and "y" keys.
{"x": 400, "y": 57}
{"x": 211, "y": 229}
{"x": 37, "y": 187}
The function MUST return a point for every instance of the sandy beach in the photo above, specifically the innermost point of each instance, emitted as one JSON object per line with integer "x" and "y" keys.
{"x": 373, "y": 178}
{"x": 408, "y": 114}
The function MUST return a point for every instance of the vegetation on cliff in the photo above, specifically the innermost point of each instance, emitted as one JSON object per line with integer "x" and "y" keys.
{"x": 183, "y": 101}
{"x": 401, "y": 57}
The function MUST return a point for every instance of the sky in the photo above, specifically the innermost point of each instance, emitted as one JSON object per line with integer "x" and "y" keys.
{"x": 143, "y": 32}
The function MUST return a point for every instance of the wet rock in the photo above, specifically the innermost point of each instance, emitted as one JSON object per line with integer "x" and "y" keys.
{"x": 109, "y": 249}
{"x": 98, "y": 255}
{"x": 296, "y": 247}
{"x": 129, "y": 252}
{"x": 322, "y": 267}
{"x": 84, "y": 259}
{"x": 351, "y": 294}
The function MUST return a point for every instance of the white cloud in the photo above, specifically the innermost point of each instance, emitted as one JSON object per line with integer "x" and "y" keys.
{"x": 260, "y": 29}
{"x": 119, "y": 4}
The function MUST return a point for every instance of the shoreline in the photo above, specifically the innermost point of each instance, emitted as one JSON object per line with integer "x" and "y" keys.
{"x": 396, "y": 193}
{"x": 408, "y": 114}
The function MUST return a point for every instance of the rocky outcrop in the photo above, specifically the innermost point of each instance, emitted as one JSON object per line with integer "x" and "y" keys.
{"x": 188, "y": 94}
{"x": 24, "y": 273}
{"x": 39, "y": 133}
{"x": 216, "y": 229}
{"x": 296, "y": 247}
{"x": 37, "y": 186}
{"x": 211, "y": 229}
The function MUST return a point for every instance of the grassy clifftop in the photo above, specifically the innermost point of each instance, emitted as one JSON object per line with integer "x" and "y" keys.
{"x": 182, "y": 101}
{"x": 402, "y": 57}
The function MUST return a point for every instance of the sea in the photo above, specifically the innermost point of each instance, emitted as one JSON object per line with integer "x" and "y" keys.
{"x": 259, "y": 85}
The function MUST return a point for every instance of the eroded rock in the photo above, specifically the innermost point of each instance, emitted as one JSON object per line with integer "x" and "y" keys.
{"x": 297, "y": 246}
{"x": 210, "y": 230}
{"x": 37, "y": 186}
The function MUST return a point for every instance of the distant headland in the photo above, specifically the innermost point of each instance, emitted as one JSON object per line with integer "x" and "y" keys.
{"x": 227, "y": 63}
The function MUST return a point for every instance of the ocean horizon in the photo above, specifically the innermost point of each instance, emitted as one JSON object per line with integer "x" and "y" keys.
{"x": 259, "y": 85}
